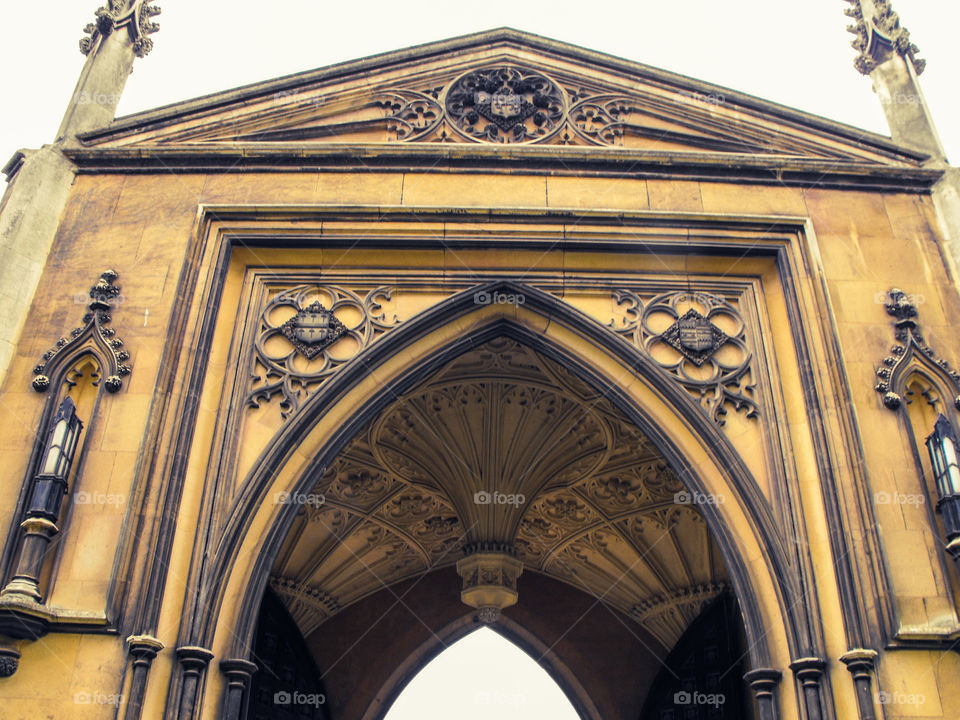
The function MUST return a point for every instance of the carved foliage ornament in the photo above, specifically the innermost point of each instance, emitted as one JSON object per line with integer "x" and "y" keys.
{"x": 294, "y": 357}
{"x": 910, "y": 347}
{"x": 712, "y": 375}
{"x": 877, "y": 34}
{"x": 133, "y": 15}
{"x": 510, "y": 104}
{"x": 103, "y": 295}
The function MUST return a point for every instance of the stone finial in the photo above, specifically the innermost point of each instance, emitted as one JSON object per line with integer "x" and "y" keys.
{"x": 132, "y": 15}
{"x": 879, "y": 34}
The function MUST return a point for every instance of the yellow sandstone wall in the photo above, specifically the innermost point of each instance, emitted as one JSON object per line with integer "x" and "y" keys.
{"x": 142, "y": 225}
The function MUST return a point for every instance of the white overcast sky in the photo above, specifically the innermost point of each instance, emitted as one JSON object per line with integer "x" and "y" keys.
{"x": 481, "y": 677}
{"x": 794, "y": 53}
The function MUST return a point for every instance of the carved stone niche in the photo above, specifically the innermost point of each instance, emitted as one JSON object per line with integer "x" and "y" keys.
{"x": 96, "y": 333}
{"x": 910, "y": 350}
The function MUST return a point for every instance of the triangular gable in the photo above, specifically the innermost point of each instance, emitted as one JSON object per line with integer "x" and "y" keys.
{"x": 502, "y": 87}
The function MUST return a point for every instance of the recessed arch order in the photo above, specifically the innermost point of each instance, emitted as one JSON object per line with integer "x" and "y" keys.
{"x": 742, "y": 526}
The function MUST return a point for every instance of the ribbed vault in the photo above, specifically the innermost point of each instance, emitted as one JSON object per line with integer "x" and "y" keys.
{"x": 503, "y": 446}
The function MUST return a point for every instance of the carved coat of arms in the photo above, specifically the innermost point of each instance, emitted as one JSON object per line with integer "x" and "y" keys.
{"x": 312, "y": 329}
{"x": 694, "y": 336}
{"x": 505, "y": 104}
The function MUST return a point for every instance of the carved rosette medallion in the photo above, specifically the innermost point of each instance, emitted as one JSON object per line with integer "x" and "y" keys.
{"x": 713, "y": 365}
{"x": 505, "y": 104}
{"x": 308, "y": 353}
{"x": 312, "y": 329}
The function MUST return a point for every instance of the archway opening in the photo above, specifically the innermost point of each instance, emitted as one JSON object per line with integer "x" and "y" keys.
{"x": 480, "y": 676}
{"x": 505, "y": 450}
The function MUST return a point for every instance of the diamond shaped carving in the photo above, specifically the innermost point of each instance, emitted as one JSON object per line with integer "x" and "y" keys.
{"x": 694, "y": 337}
{"x": 312, "y": 329}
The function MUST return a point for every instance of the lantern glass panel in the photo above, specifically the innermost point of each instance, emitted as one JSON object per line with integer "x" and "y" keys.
{"x": 52, "y": 464}
{"x": 62, "y": 441}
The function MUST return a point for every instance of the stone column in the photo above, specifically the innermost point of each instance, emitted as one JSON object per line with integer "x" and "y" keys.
{"x": 193, "y": 665}
{"x": 238, "y": 673}
{"x": 143, "y": 649}
{"x": 886, "y": 53}
{"x": 809, "y": 672}
{"x": 39, "y": 181}
{"x": 116, "y": 37}
{"x": 38, "y": 184}
{"x": 38, "y": 532}
{"x": 764, "y": 682}
{"x": 860, "y": 662}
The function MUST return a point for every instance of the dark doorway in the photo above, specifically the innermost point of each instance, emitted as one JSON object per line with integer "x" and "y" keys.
{"x": 287, "y": 685}
{"x": 702, "y": 677}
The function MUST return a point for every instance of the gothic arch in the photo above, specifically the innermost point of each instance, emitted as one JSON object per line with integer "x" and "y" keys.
{"x": 459, "y": 629}
{"x": 775, "y": 612}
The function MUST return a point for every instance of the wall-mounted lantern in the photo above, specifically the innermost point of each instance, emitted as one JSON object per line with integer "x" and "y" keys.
{"x": 43, "y": 509}
{"x": 50, "y": 484}
{"x": 942, "y": 445}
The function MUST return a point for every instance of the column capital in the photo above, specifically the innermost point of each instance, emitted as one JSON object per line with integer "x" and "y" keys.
{"x": 144, "y": 647}
{"x": 238, "y": 669}
{"x": 193, "y": 657}
{"x": 808, "y": 668}
{"x": 763, "y": 680}
{"x": 859, "y": 659}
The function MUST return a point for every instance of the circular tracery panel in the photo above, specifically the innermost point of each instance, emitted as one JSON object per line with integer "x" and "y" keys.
{"x": 506, "y": 105}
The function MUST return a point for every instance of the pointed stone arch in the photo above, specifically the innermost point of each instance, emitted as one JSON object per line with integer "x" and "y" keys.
{"x": 776, "y": 613}
{"x": 457, "y": 630}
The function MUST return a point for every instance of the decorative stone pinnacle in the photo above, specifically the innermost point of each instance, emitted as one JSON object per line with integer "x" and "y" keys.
{"x": 102, "y": 297}
{"x": 901, "y": 307}
{"x": 134, "y": 15}
{"x": 879, "y": 34}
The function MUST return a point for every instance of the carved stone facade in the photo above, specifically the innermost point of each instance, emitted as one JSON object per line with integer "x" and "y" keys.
{"x": 494, "y": 330}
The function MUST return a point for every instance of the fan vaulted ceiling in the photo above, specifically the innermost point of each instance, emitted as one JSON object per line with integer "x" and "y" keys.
{"x": 503, "y": 446}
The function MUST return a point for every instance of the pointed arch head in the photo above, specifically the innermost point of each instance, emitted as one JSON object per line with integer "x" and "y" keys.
{"x": 94, "y": 337}
{"x": 694, "y": 446}
{"x": 911, "y": 356}
{"x": 508, "y": 638}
